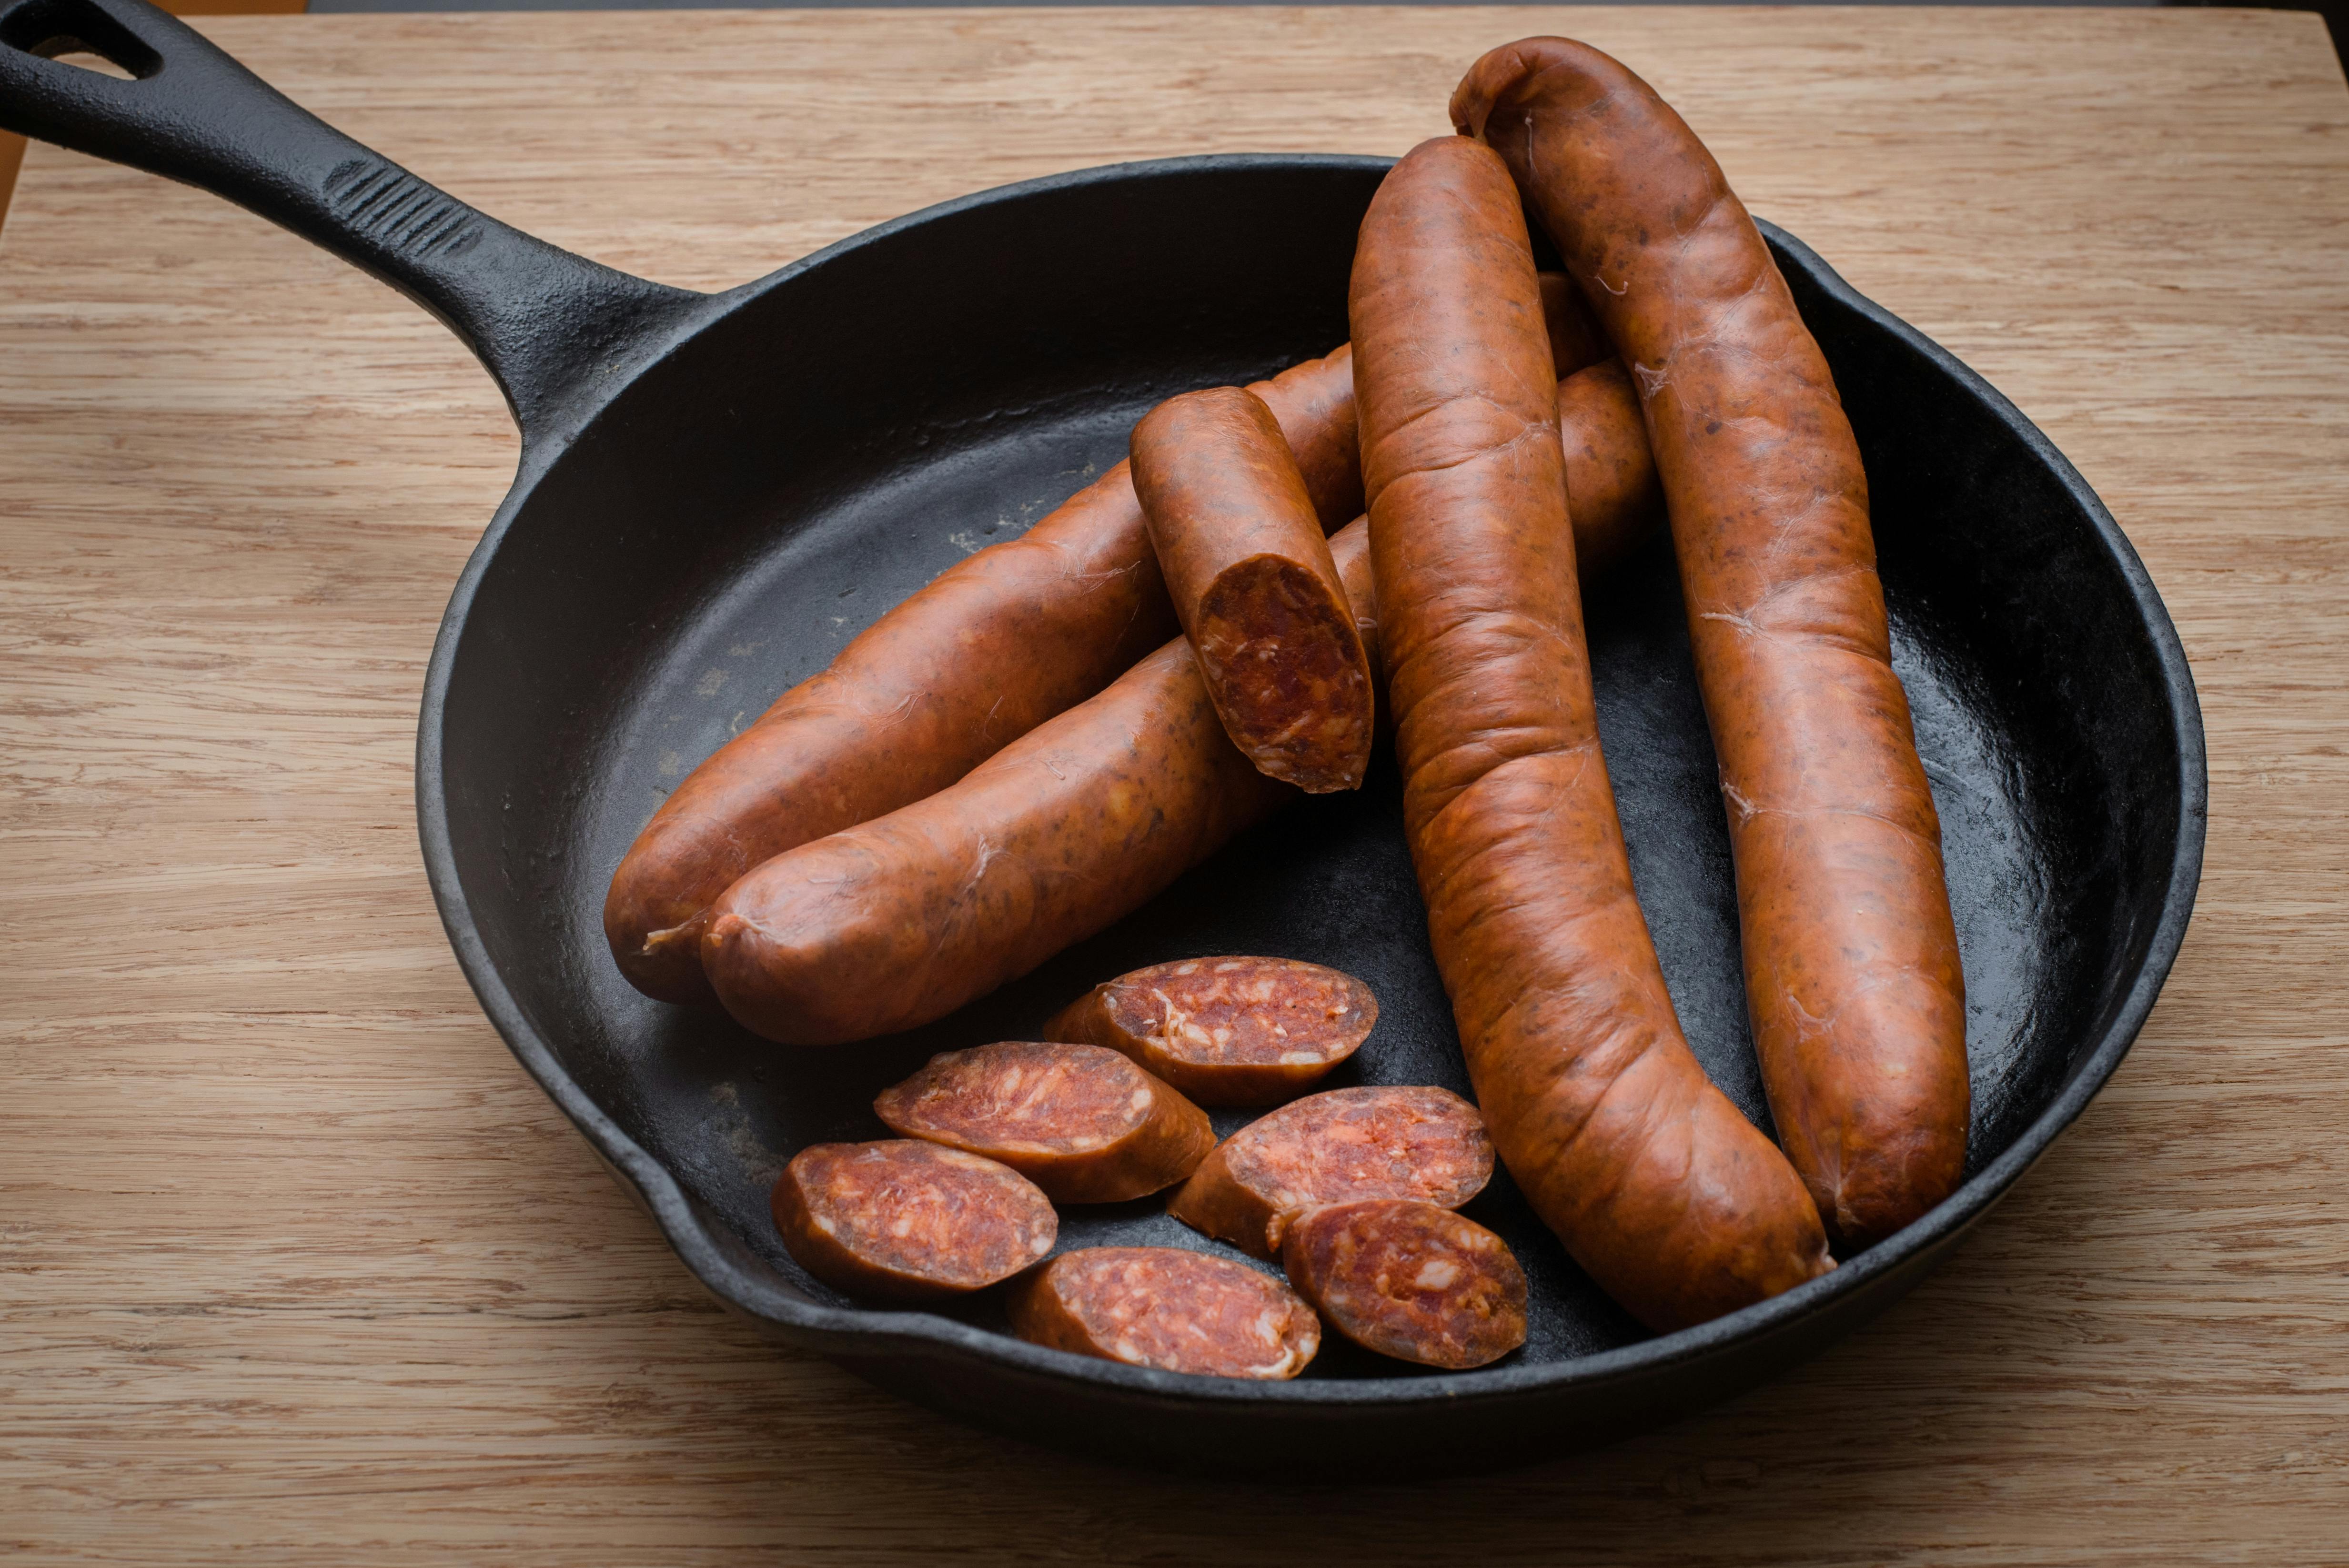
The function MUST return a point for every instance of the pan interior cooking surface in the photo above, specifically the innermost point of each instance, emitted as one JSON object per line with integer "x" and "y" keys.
{"x": 756, "y": 499}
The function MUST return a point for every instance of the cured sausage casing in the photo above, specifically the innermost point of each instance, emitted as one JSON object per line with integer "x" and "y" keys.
{"x": 1659, "y": 1187}
{"x": 1852, "y": 975}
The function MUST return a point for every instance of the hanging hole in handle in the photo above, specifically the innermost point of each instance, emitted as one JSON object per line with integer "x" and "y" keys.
{"x": 77, "y": 33}
{"x": 71, "y": 52}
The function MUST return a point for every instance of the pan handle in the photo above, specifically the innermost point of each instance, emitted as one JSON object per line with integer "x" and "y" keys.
{"x": 548, "y": 324}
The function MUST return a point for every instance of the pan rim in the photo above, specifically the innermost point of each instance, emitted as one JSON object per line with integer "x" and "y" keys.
{"x": 857, "y": 1333}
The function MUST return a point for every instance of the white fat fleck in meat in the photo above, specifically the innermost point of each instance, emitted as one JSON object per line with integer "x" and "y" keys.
{"x": 901, "y": 1226}
{"x": 825, "y": 1223}
{"x": 1187, "y": 969}
{"x": 1267, "y": 1326}
{"x": 1139, "y": 1099}
{"x": 1436, "y": 1273}
{"x": 1229, "y": 968}
{"x": 1300, "y": 1058}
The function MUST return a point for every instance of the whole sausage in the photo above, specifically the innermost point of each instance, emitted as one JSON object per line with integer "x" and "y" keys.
{"x": 997, "y": 645}
{"x": 1344, "y": 1144}
{"x": 899, "y": 921}
{"x": 1164, "y": 1308}
{"x": 1082, "y": 1122}
{"x": 1226, "y": 1031}
{"x": 1852, "y": 976}
{"x": 1248, "y": 569}
{"x": 909, "y": 1222}
{"x": 1659, "y": 1187}
{"x": 1409, "y": 1280}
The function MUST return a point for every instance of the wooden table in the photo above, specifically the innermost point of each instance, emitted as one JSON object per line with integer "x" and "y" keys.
{"x": 295, "y": 1265}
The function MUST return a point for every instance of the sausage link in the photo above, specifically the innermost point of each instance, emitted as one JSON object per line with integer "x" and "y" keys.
{"x": 1248, "y": 568}
{"x": 1164, "y": 1308}
{"x": 1659, "y": 1187}
{"x": 1409, "y": 1280}
{"x": 1852, "y": 976}
{"x": 1226, "y": 1031}
{"x": 1425, "y": 1144}
{"x": 903, "y": 1220}
{"x": 899, "y": 921}
{"x": 1082, "y": 1122}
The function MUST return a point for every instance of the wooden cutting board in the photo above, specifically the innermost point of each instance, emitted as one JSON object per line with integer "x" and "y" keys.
{"x": 296, "y": 1267}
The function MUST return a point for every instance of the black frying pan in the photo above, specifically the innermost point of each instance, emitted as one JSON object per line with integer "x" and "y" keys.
{"x": 716, "y": 491}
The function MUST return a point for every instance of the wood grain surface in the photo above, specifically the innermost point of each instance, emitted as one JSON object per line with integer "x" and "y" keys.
{"x": 12, "y": 147}
{"x": 296, "y": 1267}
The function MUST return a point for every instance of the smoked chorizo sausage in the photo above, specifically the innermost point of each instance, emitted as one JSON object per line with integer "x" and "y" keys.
{"x": 909, "y": 1222}
{"x": 1852, "y": 976}
{"x": 1226, "y": 1031}
{"x": 1425, "y": 1144}
{"x": 1675, "y": 1203}
{"x": 1164, "y": 1308}
{"x": 1082, "y": 1122}
{"x": 1409, "y": 1280}
{"x": 1247, "y": 566}
{"x": 899, "y": 921}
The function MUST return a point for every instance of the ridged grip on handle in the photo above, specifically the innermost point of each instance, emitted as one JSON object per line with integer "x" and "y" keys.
{"x": 547, "y": 324}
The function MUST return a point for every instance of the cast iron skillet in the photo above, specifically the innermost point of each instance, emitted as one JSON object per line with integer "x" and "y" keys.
{"x": 717, "y": 492}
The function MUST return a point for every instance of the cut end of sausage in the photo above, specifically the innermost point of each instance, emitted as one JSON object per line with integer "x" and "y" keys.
{"x": 1228, "y": 1031}
{"x": 906, "y": 1221}
{"x": 1164, "y": 1308}
{"x": 1347, "y": 1144}
{"x": 1082, "y": 1121}
{"x": 1409, "y": 1280}
{"x": 1286, "y": 668}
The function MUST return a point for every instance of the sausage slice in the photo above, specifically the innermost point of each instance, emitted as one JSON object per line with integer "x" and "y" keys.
{"x": 910, "y": 1222}
{"x": 1164, "y": 1308}
{"x": 1409, "y": 1280}
{"x": 1331, "y": 1147}
{"x": 1083, "y": 1123}
{"x": 1248, "y": 568}
{"x": 1228, "y": 1031}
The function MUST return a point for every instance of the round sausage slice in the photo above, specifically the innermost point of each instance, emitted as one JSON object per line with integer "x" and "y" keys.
{"x": 904, "y": 1221}
{"x": 1081, "y": 1122}
{"x": 1409, "y": 1280}
{"x": 1333, "y": 1148}
{"x": 1228, "y": 1031}
{"x": 1164, "y": 1308}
